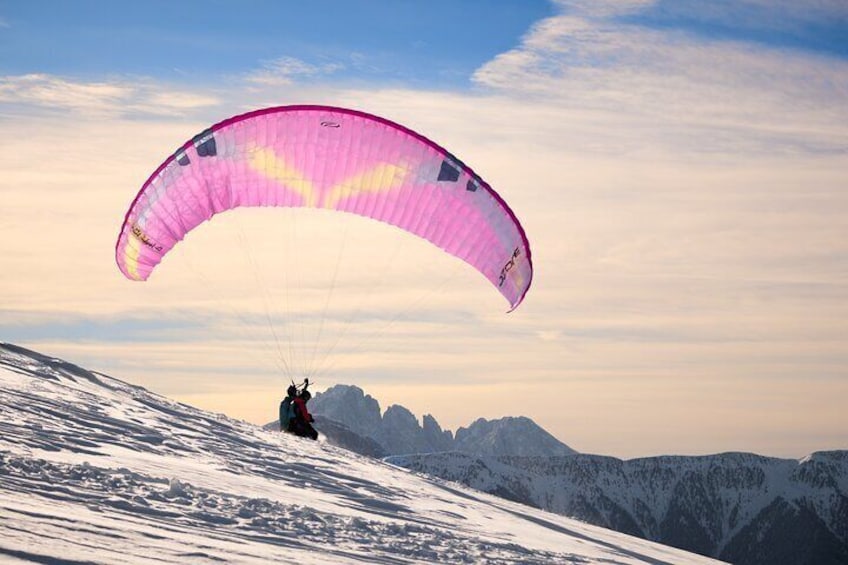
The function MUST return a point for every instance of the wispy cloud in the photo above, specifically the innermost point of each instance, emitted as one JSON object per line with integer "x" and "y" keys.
{"x": 124, "y": 97}
{"x": 286, "y": 70}
{"x": 604, "y": 8}
{"x": 780, "y": 14}
{"x": 726, "y": 93}
{"x": 45, "y": 90}
{"x": 777, "y": 15}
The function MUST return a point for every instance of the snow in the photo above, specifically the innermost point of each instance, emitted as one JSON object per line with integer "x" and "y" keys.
{"x": 94, "y": 470}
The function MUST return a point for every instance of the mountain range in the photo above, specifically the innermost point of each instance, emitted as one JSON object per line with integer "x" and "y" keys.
{"x": 397, "y": 430}
{"x": 739, "y": 507}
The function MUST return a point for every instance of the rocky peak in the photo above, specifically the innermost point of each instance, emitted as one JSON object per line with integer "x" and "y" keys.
{"x": 400, "y": 432}
{"x": 437, "y": 439}
{"x": 350, "y": 406}
{"x": 508, "y": 436}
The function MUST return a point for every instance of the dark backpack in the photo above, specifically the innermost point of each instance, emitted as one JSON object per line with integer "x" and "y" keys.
{"x": 285, "y": 413}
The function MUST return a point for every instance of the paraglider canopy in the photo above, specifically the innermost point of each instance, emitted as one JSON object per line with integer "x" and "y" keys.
{"x": 330, "y": 158}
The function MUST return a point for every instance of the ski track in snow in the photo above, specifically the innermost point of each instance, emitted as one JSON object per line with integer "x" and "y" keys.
{"x": 94, "y": 470}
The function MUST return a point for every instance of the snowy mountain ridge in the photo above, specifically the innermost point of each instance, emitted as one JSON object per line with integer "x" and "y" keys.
{"x": 94, "y": 470}
{"x": 739, "y": 507}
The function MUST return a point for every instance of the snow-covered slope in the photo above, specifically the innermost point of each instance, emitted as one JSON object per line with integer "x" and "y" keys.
{"x": 741, "y": 507}
{"x": 93, "y": 470}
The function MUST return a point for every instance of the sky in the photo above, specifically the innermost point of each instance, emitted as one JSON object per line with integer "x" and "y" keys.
{"x": 679, "y": 168}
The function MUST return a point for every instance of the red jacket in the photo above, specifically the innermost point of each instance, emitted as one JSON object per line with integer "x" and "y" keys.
{"x": 300, "y": 410}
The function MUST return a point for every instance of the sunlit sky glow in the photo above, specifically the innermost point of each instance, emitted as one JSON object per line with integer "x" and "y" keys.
{"x": 680, "y": 168}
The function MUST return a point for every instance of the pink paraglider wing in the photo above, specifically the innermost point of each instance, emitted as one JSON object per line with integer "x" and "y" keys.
{"x": 333, "y": 158}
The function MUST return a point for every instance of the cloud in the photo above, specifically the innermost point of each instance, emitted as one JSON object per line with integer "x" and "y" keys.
{"x": 119, "y": 97}
{"x": 685, "y": 89}
{"x": 549, "y": 335}
{"x": 45, "y": 90}
{"x": 604, "y": 8}
{"x": 775, "y": 15}
{"x": 286, "y": 70}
